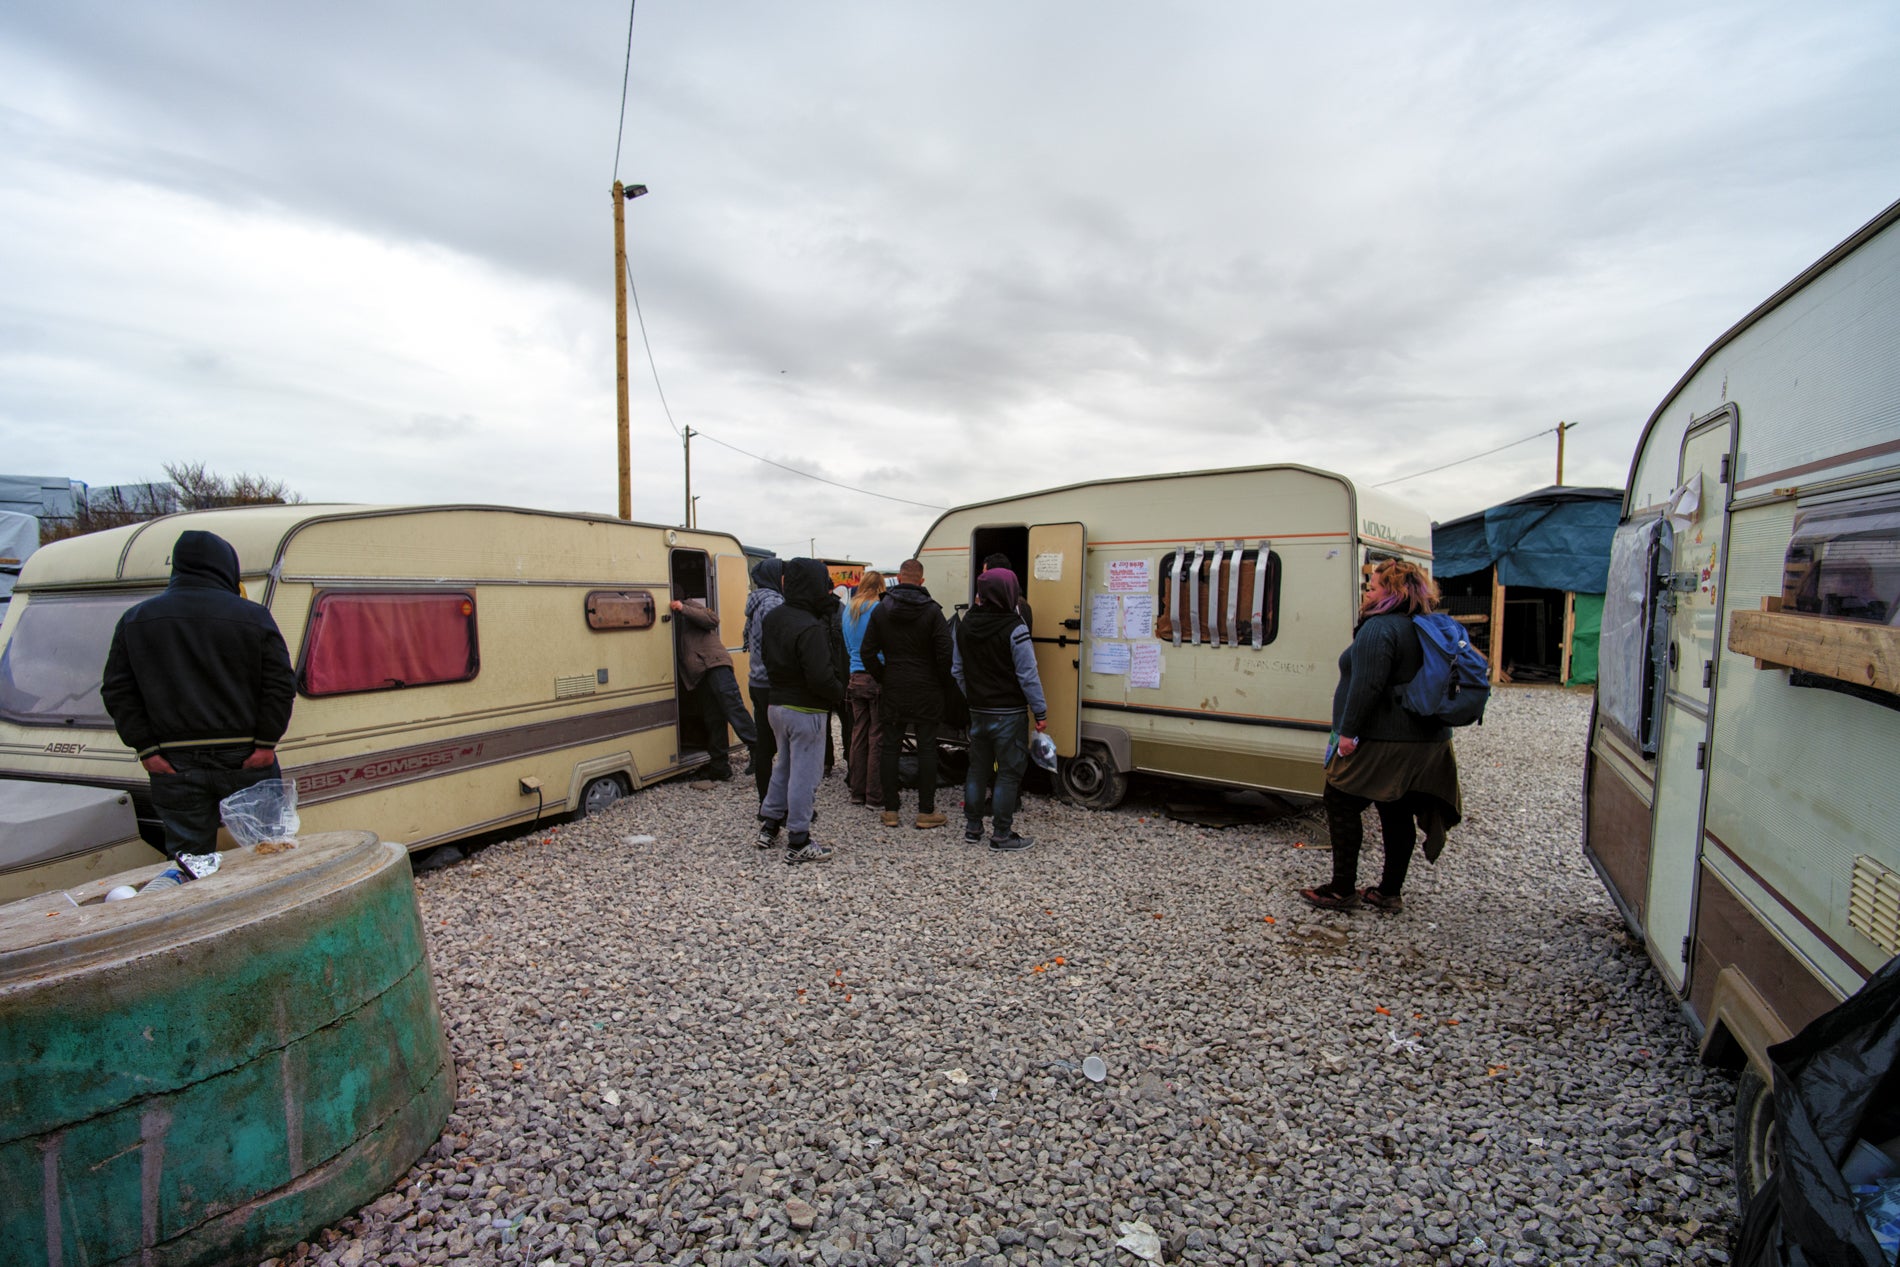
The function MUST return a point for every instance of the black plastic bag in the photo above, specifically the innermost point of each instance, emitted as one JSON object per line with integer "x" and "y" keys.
{"x": 1830, "y": 1079}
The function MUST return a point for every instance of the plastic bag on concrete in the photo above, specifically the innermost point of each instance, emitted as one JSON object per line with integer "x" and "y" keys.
{"x": 263, "y": 813}
{"x": 1836, "y": 1083}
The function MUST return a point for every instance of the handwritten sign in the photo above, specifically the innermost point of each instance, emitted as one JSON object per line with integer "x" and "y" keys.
{"x": 1127, "y": 576}
{"x": 1138, "y": 616}
{"x": 1049, "y": 566}
{"x": 1144, "y": 667}
{"x": 1105, "y": 616}
{"x": 1108, "y": 657}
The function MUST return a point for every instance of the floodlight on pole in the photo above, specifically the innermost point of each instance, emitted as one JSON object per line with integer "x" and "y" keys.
{"x": 623, "y": 194}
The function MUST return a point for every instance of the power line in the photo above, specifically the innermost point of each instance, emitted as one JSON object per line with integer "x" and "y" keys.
{"x": 654, "y": 368}
{"x": 821, "y": 479}
{"x": 1473, "y": 458}
{"x": 625, "y": 72}
{"x": 652, "y": 365}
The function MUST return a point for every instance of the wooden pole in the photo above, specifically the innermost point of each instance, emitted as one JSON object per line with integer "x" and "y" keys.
{"x": 1570, "y": 631}
{"x": 688, "y": 521}
{"x": 1561, "y": 428}
{"x": 620, "y": 346}
{"x": 1497, "y": 627}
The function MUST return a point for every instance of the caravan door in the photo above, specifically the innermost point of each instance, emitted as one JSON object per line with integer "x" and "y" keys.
{"x": 1701, "y": 546}
{"x": 733, "y": 584}
{"x": 1054, "y": 592}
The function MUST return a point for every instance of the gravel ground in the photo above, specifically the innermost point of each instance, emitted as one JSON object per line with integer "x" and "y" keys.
{"x": 685, "y": 1051}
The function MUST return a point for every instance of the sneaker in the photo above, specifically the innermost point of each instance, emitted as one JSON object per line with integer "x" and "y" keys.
{"x": 811, "y": 851}
{"x": 889, "y": 818}
{"x": 926, "y": 821}
{"x": 972, "y": 832}
{"x": 768, "y": 835}
{"x": 1011, "y": 843}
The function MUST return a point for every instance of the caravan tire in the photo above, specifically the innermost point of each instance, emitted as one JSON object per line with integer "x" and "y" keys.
{"x": 1757, "y": 1135}
{"x": 1090, "y": 779}
{"x": 601, "y": 793}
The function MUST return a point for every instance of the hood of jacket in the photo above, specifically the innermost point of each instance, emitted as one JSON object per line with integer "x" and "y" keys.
{"x": 769, "y": 574}
{"x": 808, "y": 586}
{"x": 998, "y": 590}
{"x": 909, "y": 603}
{"x": 204, "y": 559}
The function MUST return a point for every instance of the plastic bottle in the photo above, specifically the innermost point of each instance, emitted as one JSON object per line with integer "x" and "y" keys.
{"x": 169, "y": 878}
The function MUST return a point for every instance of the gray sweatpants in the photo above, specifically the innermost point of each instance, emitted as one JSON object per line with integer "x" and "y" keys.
{"x": 800, "y": 764}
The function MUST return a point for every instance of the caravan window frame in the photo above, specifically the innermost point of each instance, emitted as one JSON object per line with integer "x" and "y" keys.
{"x": 1269, "y": 604}
{"x": 315, "y": 636}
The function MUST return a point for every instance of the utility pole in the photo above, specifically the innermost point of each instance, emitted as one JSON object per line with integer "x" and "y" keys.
{"x": 1561, "y": 428}
{"x": 692, "y": 520}
{"x": 622, "y": 195}
{"x": 689, "y": 478}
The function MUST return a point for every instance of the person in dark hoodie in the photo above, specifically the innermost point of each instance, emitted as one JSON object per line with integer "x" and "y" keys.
{"x": 806, "y": 683}
{"x": 199, "y": 684}
{"x": 994, "y": 663}
{"x": 767, "y": 581}
{"x": 907, "y": 649}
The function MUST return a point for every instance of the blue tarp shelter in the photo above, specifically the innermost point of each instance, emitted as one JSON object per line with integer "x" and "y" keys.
{"x": 1557, "y": 538}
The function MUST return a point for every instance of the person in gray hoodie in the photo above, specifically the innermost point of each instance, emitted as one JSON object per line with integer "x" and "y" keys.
{"x": 768, "y": 577}
{"x": 995, "y": 664}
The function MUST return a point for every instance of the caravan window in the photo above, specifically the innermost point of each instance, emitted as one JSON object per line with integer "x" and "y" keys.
{"x": 1635, "y": 636}
{"x": 52, "y": 667}
{"x": 1213, "y": 594}
{"x": 1844, "y": 560}
{"x": 386, "y": 641}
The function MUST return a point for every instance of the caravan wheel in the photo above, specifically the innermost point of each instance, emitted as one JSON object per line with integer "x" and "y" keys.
{"x": 1090, "y": 778}
{"x": 600, "y": 793}
{"x": 1757, "y": 1139}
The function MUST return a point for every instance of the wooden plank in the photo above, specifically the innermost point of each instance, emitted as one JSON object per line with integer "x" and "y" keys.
{"x": 1497, "y": 627}
{"x": 1570, "y": 628}
{"x": 1846, "y": 650}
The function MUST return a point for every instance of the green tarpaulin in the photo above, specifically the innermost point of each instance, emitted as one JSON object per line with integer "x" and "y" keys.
{"x": 1584, "y": 639}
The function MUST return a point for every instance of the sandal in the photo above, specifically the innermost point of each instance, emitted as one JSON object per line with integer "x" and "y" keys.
{"x": 1373, "y": 897}
{"x": 1327, "y": 900}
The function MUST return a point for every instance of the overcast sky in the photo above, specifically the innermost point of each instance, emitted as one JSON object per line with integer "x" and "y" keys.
{"x": 943, "y": 252}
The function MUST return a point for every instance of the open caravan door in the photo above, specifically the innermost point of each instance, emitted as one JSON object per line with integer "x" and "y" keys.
{"x": 1054, "y": 593}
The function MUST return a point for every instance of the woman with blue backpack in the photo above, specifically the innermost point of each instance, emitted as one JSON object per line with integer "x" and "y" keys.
{"x": 1385, "y": 753}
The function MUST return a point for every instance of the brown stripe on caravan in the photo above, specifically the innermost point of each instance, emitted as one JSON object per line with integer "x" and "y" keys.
{"x": 1619, "y": 835}
{"x": 1822, "y": 464}
{"x": 1729, "y": 932}
{"x": 396, "y": 766}
{"x": 1791, "y": 908}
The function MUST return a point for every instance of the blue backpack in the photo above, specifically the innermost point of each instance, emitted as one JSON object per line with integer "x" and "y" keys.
{"x": 1454, "y": 684}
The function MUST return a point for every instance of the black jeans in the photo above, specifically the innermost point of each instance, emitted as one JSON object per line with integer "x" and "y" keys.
{"x": 766, "y": 746}
{"x": 187, "y": 802}
{"x": 1347, "y": 828}
{"x": 894, "y": 724}
{"x": 719, "y": 703}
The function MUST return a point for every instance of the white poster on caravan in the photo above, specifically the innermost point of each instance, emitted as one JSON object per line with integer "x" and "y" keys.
{"x": 1144, "y": 667}
{"x": 1108, "y": 657}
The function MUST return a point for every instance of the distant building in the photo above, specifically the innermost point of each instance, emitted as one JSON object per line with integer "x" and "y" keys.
{"x": 41, "y": 496}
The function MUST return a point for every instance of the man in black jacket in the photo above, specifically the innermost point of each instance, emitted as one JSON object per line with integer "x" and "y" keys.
{"x": 199, "y": 685}
{"x": 907, "y": 649}
{"x": 806, "y": 684}
{"x": 995, "y": 664}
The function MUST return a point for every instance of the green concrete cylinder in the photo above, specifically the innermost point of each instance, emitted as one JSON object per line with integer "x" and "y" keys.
{"x": 210, "y": 1073}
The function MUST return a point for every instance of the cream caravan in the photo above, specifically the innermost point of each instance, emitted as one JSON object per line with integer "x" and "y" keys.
{"x": 1186, "y": 625}
{"x": 460, "y": 669}
{"x": 1740, "y": 798}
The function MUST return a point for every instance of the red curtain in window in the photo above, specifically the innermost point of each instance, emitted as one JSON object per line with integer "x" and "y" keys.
{"x": 374, "y": 642}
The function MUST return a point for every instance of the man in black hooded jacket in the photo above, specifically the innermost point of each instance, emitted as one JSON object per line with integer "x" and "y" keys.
{"x": 907, "y": 649}
{"x": 807, "y": 683}
{"x": 199, "y": 685}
